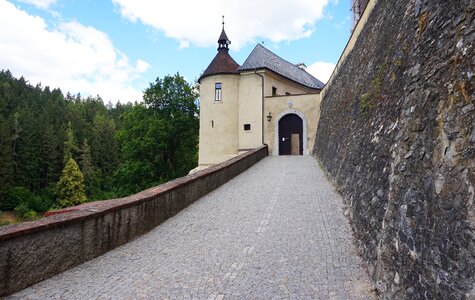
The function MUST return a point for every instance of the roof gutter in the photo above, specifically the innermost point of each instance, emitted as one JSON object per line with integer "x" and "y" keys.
{"x": 262, "y": 101}
{"x": 286, "y": 78}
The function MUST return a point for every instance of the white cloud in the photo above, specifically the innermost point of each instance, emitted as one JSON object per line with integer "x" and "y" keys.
{"x": 198, "y": 22}
{"x": 44, "y": 4}
{"x": 71, "y": 56}
{"x": 142, "y": 66}
{"x": 321, "y": 70}
{"x": 184, "y": 44}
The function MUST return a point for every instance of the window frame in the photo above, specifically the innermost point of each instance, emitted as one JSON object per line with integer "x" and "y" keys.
{"x": 218, "y": 91}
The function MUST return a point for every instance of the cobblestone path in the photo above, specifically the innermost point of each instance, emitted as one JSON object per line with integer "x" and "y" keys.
{"x": 277, "y": 231}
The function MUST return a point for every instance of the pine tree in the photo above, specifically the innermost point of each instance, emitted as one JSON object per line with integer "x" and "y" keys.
{"x": 104, "y": 148}
{"x": 71, "y": 185}
{"x": 69, "y": 145}
{"x": 87, "y": 167}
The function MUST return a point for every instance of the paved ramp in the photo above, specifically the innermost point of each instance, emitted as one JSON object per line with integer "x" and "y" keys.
{"x": 276, "y": 231}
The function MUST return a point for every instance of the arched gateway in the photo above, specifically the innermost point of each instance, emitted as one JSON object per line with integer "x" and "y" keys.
{"x": 291, "y": 134}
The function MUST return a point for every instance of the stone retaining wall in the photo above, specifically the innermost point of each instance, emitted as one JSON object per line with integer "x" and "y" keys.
{"x": 33, "y": 251}
{"x": 397, "y": 136}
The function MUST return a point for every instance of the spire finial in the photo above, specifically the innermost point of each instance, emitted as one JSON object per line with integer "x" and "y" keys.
{"x": 223, "y": 40}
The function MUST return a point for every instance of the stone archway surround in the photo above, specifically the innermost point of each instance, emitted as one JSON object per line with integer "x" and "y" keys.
{"x": 276, "y": 130}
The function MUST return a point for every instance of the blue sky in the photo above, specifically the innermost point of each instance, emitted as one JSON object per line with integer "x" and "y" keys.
{"x": 114, "y": 48}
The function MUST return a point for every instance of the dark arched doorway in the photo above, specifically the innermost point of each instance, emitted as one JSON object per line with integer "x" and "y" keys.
{"x": 290, "y": 135}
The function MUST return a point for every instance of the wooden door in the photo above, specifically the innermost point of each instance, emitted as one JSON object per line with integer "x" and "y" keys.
{"x": 288, "y": 125}
{"x": 294, "y": 144}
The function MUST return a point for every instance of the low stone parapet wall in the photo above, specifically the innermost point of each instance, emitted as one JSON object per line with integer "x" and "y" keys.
{"x": 33, "y": 251}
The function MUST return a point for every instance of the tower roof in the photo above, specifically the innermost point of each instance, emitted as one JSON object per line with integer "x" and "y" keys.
{"x": 262, "y": 58}
{"x": 223, "y": 38}
{"x": 222, "y": 63}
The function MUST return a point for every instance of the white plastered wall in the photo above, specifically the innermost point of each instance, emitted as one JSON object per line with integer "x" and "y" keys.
{"x": 218, "y": 119}
{"x": 250, "y": 110}
{"x": 307, "y": 107}
{"x": 283, "y": 85}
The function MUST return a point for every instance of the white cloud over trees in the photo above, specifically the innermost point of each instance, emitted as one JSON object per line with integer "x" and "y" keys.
{"x": 80, "y": 58}
{"x": 71, "y": 56}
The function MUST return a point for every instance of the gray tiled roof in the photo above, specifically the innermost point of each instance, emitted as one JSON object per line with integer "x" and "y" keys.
{"x": 261, "y": 57}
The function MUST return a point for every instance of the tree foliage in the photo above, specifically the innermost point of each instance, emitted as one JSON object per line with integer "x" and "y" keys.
{"x": 15, "y": 196}
{"x": 69, "y": 145}
{"x": 71, "y": 185}
{"x": 159, "y": 139}
{"x": 87, "y": 167}
{"x": 120, "y": 149}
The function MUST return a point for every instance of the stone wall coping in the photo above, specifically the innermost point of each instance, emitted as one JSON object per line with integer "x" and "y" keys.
{"x": 350, "y": 43}
{"x": 293, "y": 95}
{"x": 88, "y": 210}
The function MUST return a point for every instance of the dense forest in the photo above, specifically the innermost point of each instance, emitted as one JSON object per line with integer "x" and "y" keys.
{"x": 59, "y": 150}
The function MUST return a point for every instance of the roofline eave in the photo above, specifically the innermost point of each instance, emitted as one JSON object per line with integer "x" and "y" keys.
{"x": 217, "y": 73}
{"x": 251, "y": 70}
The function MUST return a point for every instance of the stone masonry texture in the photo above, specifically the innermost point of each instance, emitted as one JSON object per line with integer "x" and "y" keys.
{"x": 276, "y": 231}
{"x": 397, "y": 136}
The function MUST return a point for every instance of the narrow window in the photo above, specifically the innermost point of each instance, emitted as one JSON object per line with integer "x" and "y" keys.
{"x": 247, "y": 127}
{"x": 274, "y": 91}
{"x": 217, "y": 92}
{"x": 212, "y": 124}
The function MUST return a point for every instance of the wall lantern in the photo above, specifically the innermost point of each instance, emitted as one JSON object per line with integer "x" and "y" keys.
{"x": 269, "y": 117}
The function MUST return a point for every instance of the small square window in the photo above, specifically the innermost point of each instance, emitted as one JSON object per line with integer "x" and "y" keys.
{"x": 218, "y": 94}
{"x": 247, "y": 127}
{"x": 274, "y": 91}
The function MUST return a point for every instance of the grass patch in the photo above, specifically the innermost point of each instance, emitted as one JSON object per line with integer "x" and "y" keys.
{"x": 365, "y": 102}
{"x": 9, "y": 217}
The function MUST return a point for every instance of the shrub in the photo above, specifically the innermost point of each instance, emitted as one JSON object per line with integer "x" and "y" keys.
{"x": 22, "y": 209}
{"x": 42, "y": 202}
{"x": 17, "y": 195}
{"x": 14, "y": 196}
{"x": 30, "y": 215}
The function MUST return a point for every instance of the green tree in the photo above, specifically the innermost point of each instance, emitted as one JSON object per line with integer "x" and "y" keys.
{"x": 139, "y": 139}
{"x": 104, "y": 145}
{"x": 88, "y": 170}
{"x": 39, "y": 128}
{"x": 50, "y": 158}
{"x": 14, "y": 196}
{"x": 159, "y": 139}
{"x": 69, "y": 145}
{"x": 6, "y": 158}
{"x": 16, "y": 133}
{"x": 71, "y": 185}
{"x": 175, "y": 102}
